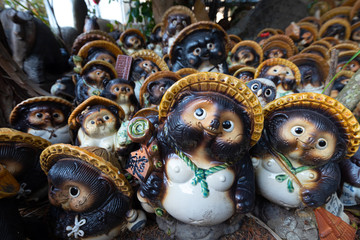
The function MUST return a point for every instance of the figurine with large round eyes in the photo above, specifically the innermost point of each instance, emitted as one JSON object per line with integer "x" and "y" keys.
{"x": 314, "y": 70}
{"x": 337, "y": 27}
{"x": 264, "y": 89}
{"x": 19, "y": 155}
{"x": 145, "y": 63}
{"x": 155, "y": 86}
{"x": 340, "y": 81}
{"x": 132, "y": 40}
{"x": 92, "y": 79}
{"x": 45, "y": 117}
{"x": 246, "y": 53}
{"x": 96, "y": 121}
{"x": 282, "y": 72}
{"x": 203, "y": 46}
{"x": 102, "y": 50}
{"x": 122, "y": 92}
{"x": 212, "y": 163}
{"x": 90, "y": 198}
{"x": 174, "y": 20}
{"x": 305, "y": 137}
{"x": 344, "y": 57}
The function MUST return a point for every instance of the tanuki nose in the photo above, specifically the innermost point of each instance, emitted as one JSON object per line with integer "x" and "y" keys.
{"x": 215, "y": 123}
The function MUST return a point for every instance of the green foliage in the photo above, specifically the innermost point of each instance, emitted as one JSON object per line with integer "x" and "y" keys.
{"x": 36, "y": 7}
{"x": 141, "y": 13}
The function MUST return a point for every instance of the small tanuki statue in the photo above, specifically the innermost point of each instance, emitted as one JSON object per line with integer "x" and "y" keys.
{"x": 44, "y": 116}
{"x": 305, "y": 137}
{"x": 285, "y": 74}
{"x": 174, "y": 20}
{"x": 92, "y": 79}
{"x": 95, "y": 122}
{"x": 203, "y": 45}
{"x": 204, "y": 177}
{"x": 90, "y": 198}
{"x": 131, "y": 40}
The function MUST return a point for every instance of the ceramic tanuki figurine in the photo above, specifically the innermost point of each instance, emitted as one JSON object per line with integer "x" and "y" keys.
{"x": 344, "y": 57}
{"x": 340, "y": 81}
{"x": 132, "y": 40}
{"x": 155, "y": 40}
{"x": 19, "y": 154}
{"x": 145, "y": 63}
{"x": 208, "y": 121}
{"x": 247, "y": 53}
{"x": 245, "y": 74}
{"x": 314, "y": 70}
{"x": 174, "y": 20}
{"x": 122, "y": 92}
{"x": 282, "y": 72}
{"x": 264, "y": 89}
{"x": 44, "y": 116}
{"x": 155, "y": 86}
{"x": 296, "y": 160}
{"x": 96, "y": 122}
{"x": 338, "y": 27}
{"x": 279, "y": 46}
{"x": 89, "y": 197}
{"x": 96, "y": 50}
{"x": 92, "y": 79}
{"x": 203, "y": 46}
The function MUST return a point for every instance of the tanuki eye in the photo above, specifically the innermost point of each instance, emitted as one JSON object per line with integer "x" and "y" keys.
{"x": 200, "y": 113}
{"x": 268, "y": 92}
{"x": 39, "y": 115}
{"x": 228, "y": 126}
{"x": 197, "y": 51}
{"x": 254, "y": 87}
{"x": 297, "y": 131}
{"x": 74, "y": 192}
{"x": 321, "y": 144}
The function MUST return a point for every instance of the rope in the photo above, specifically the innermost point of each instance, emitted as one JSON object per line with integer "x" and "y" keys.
{"x": 200, "y": 173}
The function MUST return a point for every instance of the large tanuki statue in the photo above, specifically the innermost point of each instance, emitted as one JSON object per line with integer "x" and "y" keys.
{"x": 208, "y": 121}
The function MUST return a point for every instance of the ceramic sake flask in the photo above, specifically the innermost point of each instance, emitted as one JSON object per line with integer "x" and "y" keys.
{"x": 90, "y": 198}
{"x": 174, "y": 20}
{"x": 19, "y": 155}
{"x": 44, "y": 116}
{"x": 132, "y": 40}
{"x": 285, "y": 74}
{"x": 95, "y": 122}
{"x": 305, "y": 136}
{"x": 203, "y": 46}
{"x": 195, "y": 166}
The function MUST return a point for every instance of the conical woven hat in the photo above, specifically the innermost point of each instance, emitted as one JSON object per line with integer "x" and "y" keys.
{"x": 316, "y": 101}
{"x": 151, "y": 56}
{"x": 186, "y": 71}
{"x": 219, "y": 83}
{"x": 322, "y": 43}
{"x": 12, "y": 135}
{"x": 279, "y": 61}
{"x": 109, "y": 46}
{"x": 283, "y": 38}
{"x": 339, "y": 11}
{"x": 318, "y": 49}
{"x": 307, "y": 58}
{"x": 89, "y": 36}
{"x": 15, "y": 114}
{"x": 56, "y": 152}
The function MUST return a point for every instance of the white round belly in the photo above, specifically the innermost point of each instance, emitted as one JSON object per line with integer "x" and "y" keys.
{"x": 185, "y": 201}
{"x": 276, "y": 186}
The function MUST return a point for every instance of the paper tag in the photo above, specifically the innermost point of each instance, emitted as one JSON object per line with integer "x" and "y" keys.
{"x": 348, "y": 196}
{"x": 335, "y": 206}
{"x": 123, "y": 66}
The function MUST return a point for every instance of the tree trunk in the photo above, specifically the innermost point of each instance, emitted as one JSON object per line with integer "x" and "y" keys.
{"x": 350, "y": 94}
{"x": 159, "y": 7}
